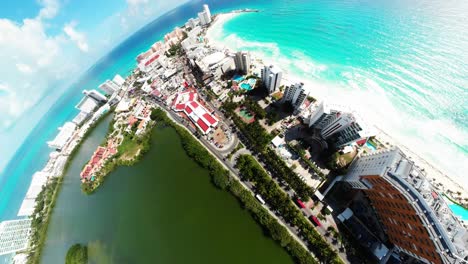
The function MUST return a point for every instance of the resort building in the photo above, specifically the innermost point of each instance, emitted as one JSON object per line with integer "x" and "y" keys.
{"x": 242, "y": 61}
{"x": 99, "y": 97}
{"x": 39, "y": 179}
{"x": 187, "y": 103}
{"x": 62, "y": 138}
{"x": 97, "y": 160}
{"x": 271, "y": 77}
{"x": 87, "y": 105}
{"x": 414, "y": 217}
{"x": 119, "y": 80}
{"x": 205, "y": 16}
{"x": 109, "y": 87}
{"x": 296, "y": 94}
{"x": 192, "y": 23}
{"x": 144, "y": 55}
{"x": 174, "y": 37}
{"x": 157, "y": 47}
{"x": 340, "y": 127}
{"x": 14, "y": 235}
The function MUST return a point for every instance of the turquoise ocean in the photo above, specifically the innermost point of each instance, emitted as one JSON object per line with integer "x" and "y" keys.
{"x": 403, "y": 63}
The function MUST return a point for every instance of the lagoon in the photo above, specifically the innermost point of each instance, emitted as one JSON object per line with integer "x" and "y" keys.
{"x": 162, "y": 210}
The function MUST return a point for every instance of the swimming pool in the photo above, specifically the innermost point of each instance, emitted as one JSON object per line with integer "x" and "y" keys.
{"x": 238, "y": 78}
{"x": 245, "y": 86}
{"x": 459, "y": 211}
{"x": 248, "y": 84}
{"x": 370, "y": 146}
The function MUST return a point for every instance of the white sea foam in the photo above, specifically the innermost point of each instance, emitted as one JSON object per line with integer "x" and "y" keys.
{"x": 432, "y": 139}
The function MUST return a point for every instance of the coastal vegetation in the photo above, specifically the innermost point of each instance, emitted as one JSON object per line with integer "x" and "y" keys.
{"x": 301, "y": 152}
{"x": 46, "y": 199}
{"x": 258, "y": 138}
{"x": 279, "y": 201}
{"x": 77, "y": 254}
{"x": 222, "y": 179}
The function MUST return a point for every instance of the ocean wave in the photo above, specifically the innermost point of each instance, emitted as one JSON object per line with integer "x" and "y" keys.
{"x": 382, "y": 96}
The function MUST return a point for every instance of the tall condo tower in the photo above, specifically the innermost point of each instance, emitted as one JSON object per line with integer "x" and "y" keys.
{"x": 296, "y": 94}
{"x": 271, "y": 77}
{"x": 242, "y": 60}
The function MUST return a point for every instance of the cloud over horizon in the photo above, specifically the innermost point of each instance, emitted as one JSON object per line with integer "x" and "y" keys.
{"x": 40, "y": 52}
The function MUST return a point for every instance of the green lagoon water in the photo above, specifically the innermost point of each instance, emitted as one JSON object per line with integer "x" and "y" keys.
{"x": 162, "y": 210}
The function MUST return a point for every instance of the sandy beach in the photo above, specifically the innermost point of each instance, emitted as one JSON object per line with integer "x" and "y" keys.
{"x": 440, "y": 180}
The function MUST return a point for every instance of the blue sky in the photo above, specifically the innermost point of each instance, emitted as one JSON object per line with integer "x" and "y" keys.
{"x": 44, "y": 42}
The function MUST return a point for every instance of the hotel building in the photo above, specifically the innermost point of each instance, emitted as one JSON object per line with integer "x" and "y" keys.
{"x": 271, "y": 77}
{"x": 242, "y": 61}
{"x": 343, "y": 128}
{"x": 99, "y": 97}
{"x": 296, "y": 94}
{"x": 205, "y": 16}
{"x": 415, "y": 218}
{"x": 109, "y": 87}
{"x": 187, "y": 103}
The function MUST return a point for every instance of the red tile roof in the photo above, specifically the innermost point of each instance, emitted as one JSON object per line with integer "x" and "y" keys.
{"x": 86, "y": 171}
{"x": 148, "y": 62}
{"x": 194, "y": 104}
{"x": 188, "y": 109}
{"x": 132, "y": 120}
{"x": 202, "y": 125}
{"x": 209, "y": 118}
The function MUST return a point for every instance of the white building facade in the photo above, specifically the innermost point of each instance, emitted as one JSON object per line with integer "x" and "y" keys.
{"x": 271, "y": 77}
{"x": 243, "y": 61}
{"x": 109, "y": 87}
{"x": 205, "y": 16}
{"x": 295, "y": 94}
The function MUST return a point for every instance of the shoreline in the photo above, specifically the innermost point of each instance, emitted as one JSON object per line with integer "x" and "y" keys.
{"x": 440, "y": 180}
{"x": 42, "y": 230}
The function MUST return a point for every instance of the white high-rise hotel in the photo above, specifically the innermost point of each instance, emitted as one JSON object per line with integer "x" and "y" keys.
{"x": 271, "y": 77}
{"x": 296, "y": 94}
{"x": 345, "y": 128}
{"x": 205, "y": 16}
{"x": 242, "y": 61}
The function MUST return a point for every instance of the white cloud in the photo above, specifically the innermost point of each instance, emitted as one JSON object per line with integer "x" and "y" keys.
{"x": 50, "y": 9}
{"x": 24, "y": 68}
{"x": 134, "y": 6}
{"x": 77, "y": 37}
{"x": 32, "y": 63}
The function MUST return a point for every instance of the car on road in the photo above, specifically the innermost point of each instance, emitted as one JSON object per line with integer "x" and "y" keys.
{"x": 300, "y": 203}
{"x": 315, "y": 220}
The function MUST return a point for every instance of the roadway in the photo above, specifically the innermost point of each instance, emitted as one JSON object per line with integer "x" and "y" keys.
{"x": 229, "y": 164}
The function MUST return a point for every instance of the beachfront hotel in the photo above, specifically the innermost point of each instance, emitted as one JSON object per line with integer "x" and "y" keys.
{"x": 109, "y": 87}
{"x": 416, "y": 219}
{"x": 205, "y": 16}
{"x": 338, "y": 126}
{"x": 242, "y": 61}
{"x": 271, "y": 77}
{"x": 296, "y": 94}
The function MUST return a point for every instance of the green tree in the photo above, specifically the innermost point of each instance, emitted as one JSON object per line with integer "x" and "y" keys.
{"x": 77, "y": 254}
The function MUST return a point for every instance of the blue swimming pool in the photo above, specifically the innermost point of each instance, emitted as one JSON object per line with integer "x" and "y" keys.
{"x": 238, "y": 78}
{"x": 245, "y": 86}
{"x": 370, "y": 146}
{"x": 459, "y": 211}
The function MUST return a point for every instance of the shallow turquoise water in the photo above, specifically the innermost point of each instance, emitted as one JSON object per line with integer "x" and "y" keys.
{"x": 402, "y": 64}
